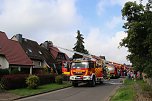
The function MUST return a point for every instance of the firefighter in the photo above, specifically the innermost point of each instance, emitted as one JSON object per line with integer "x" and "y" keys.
{"x": 108, "y": 73}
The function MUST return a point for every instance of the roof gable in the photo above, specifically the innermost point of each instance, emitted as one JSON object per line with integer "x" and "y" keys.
{"x": 13, "y": 51}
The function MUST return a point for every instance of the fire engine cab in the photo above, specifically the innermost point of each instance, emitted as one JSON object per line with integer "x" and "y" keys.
{"x": 89, "y": 70}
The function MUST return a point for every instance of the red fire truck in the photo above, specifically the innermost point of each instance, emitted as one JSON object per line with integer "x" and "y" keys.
{"x": 66, "y": 68}
{"x": 89, "y": 70}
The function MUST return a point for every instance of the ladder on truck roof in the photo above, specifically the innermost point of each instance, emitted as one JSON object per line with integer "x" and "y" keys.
{"x": 84, "y": 55}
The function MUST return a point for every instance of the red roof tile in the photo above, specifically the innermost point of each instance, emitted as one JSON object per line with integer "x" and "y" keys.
{"x": 13, "y": 51}
{"x": 54, "y": 51}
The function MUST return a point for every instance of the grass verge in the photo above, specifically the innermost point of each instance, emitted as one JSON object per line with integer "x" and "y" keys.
{"x": 41, "y": 89}
{"x": 125, "y": 93}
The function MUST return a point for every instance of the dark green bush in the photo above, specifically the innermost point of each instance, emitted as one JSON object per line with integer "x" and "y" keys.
{"x": 4, "y": 72}
{"x": 1, "y": 87}
{"x": 65, "y": 77}
{"x": 59, "y": 79}
{"x": 32, "y": 81}
{"x": 14, "y": 81}
{"x": 15, "y": 71}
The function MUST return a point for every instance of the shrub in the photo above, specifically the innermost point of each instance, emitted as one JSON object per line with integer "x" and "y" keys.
{"x": 4, "y": 72}
{"x": 15, "y": 71}
{"x": 14, "y": 81}
{"x": 65, "y": 77}
{"x": 32, "y": 81}
{"x": 46, "y": 78}
{"x": 1, "y": 87}
{"x": 59, "y": 79}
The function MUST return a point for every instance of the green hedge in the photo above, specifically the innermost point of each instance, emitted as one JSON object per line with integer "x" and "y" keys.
{"x": 4, "y": 72}
{"x": 13, "y": 81}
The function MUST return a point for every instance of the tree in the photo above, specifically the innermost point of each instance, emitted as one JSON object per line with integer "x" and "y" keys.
{"x": 79, "y": 47}
{"x": 138, "y": 26}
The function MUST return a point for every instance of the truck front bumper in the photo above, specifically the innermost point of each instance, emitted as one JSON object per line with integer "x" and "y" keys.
{"x": 80, "y": 78}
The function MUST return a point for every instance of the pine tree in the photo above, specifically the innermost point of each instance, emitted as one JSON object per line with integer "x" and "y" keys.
{"x": 79, "y": 47}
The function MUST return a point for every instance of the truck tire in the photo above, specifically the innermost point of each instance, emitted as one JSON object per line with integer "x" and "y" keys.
{"x": 100, "y": 82}
{"x": 75, "y": 84}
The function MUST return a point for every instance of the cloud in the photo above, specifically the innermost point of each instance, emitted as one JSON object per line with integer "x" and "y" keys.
{"x": 101, "y": 7}
{"x": 38, "y": 16}
{"x": 104, "y": 4}
{"x": 114, "y": 22}
{"x": 122, "y": 2}
{"x": 99, "y": 43}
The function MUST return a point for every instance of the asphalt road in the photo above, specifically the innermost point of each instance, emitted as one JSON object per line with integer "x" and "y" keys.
{"x": 81, "y": 93}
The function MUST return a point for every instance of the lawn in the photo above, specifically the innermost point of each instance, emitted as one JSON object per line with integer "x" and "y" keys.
{"x": 125, "y": 93}
{"x": 40, "y": 89}
{"x": 130, "y": 89}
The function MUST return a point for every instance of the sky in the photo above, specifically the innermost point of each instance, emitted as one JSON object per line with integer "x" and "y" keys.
{"x": 99, "y": 21}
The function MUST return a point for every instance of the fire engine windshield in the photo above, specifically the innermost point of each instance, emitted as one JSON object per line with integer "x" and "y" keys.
{"x": 80, "y": 65}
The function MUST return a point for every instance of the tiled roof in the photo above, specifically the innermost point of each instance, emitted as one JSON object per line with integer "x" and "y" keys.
{"x": 13, "y": 51}
{"x": 47, "y": 56}
{"x": 36, "y": 52}
{"x": 32, "y": 49}
{"x": 54, "y": 51}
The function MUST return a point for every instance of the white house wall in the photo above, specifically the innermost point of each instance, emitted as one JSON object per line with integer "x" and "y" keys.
{"x": 3, "y": 63}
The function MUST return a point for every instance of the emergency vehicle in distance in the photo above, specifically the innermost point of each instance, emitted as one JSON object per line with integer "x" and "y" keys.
{"x": 113, "y": 70}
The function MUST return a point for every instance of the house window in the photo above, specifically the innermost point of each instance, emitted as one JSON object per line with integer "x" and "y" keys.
{"x": 40, "y": 64}
{"x": 40, "y": 52}
{"x": 30, "y": 50}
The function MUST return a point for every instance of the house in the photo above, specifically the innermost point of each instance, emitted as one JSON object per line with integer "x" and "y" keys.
{"x": 12, "y": 55}
{"x": 38, "y": 55}
{"x": 58, "y": 56}
{"x": 3, "y": 61}
{"x": 56, "y": 53}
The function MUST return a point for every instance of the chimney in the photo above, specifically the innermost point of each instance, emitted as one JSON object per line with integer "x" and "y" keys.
{"x": 47, "y": 44}
{"x": 19, "y": 37}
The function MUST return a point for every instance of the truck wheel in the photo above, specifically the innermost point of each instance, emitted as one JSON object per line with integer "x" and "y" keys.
{"x": 75, "y": 84}
{"x": 100, "y": 82}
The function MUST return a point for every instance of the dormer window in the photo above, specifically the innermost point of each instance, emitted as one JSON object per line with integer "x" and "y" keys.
{"x": 30, "y": 50}
{"x": 40, "y": 52}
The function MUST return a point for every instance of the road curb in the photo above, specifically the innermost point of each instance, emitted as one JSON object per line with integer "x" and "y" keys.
{"x": 115, "y": 90}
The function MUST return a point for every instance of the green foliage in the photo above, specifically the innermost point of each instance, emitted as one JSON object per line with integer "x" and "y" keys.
{"x": 32, "y": 81}
{"x": 1, "y": 87}
{"x": 65, "y": 77}
{"x": 59, "y": 79}
{"x": 15, "y": 71}
{"x": 125, "y": 93}
{"x": 138, "y": 26}
{"x": 79, "y": 47}
{"x": 45, "y": 70}
{"x": 4, "y": 71}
